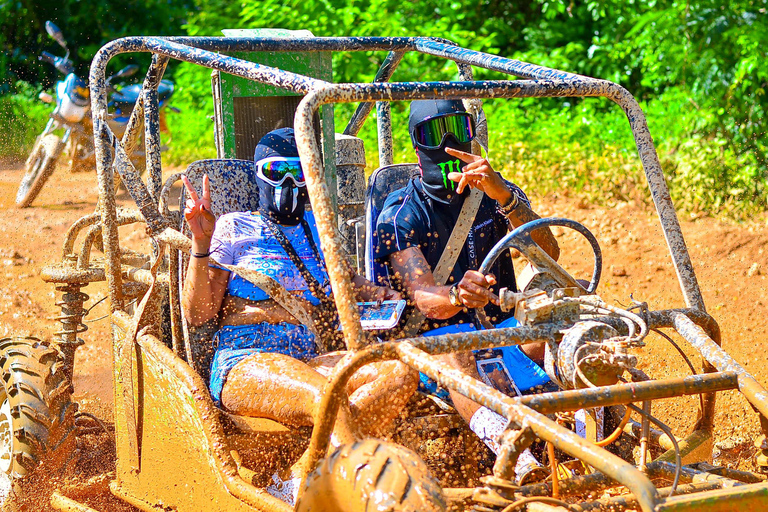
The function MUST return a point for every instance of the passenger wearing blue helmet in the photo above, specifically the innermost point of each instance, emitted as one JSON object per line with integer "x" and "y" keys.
{"x": 262, "y": 351}
{"x": 413, "y": 231}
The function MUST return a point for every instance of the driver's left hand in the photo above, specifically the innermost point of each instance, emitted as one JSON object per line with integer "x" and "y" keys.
{"x": 478, "y": 173}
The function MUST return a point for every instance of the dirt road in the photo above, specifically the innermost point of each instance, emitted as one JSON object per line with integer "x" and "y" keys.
{"x": 730, "y": 262}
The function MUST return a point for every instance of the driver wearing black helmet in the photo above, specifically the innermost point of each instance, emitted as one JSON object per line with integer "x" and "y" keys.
{"x": 413, "y": 230}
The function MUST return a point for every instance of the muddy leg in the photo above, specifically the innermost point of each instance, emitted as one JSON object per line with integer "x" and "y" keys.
{"x": 378, "y": 392}
{"x": 280, "y": 388}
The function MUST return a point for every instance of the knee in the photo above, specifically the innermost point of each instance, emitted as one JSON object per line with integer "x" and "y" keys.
{"x": 405, "y": 377}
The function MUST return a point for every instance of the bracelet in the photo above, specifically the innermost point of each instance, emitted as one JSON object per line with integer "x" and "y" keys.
{"x": 201, "y": 254}
{"x": 510, "y": 206}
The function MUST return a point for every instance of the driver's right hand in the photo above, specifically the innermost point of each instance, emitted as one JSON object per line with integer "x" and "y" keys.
{"x": 474, "y": 289}
{"x": 197, "y": 211}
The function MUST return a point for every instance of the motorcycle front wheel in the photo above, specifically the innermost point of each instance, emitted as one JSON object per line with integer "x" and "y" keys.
{"x": 39, "y": 167}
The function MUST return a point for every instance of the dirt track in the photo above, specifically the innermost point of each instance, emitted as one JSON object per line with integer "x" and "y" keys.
{"x": 730, "y": 262}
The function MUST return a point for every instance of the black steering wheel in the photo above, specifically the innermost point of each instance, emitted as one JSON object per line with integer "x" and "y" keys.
{"x": 520, "y": 239}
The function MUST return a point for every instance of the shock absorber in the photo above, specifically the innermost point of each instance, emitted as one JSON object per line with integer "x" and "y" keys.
{"x": 71, "y": 318}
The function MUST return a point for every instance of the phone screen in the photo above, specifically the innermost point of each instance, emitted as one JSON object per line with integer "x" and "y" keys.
{"x": 384, "y": 315}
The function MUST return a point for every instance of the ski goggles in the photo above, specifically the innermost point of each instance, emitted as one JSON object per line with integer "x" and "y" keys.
{"x": 431, "y": 133}
{"x": 275, "y": 170}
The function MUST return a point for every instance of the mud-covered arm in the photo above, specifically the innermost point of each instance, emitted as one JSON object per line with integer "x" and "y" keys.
{"x": 523, "y": 214}
{"x": 366, "y": 291}
{"x": 412, "y": 270}
{"x": 204, "y": 290}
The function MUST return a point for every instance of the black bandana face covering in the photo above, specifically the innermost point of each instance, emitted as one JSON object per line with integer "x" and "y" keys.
{"x": 285, "y": 203}
{"x": 435, "y": 166}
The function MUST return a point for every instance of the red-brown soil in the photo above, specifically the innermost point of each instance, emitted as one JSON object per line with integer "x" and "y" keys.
{"x": 729, "y": 259}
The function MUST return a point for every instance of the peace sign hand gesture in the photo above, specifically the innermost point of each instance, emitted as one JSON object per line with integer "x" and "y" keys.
{"x": 478, "y": 173}
{"x": 197, "y": 212}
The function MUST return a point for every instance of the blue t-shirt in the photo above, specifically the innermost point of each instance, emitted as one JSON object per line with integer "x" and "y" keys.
{"x": 244, "y": 239}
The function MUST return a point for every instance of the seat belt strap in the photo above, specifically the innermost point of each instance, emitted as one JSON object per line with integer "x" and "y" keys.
{"x": 278, "y": 293}
{"x": 450, "y": 254}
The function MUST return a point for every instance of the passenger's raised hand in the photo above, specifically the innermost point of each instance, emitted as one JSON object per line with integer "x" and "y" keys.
{"x": 197, "y": 212}
{"x": 478, "y": 173}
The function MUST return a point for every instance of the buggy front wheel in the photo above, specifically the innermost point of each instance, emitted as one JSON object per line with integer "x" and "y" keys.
{"x": 371, "y": 475}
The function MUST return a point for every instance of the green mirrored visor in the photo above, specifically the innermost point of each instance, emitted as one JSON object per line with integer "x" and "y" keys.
{"x": 431, "y": 133}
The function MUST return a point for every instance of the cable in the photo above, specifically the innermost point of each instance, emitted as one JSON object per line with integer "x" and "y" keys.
{"x": 685, "y": 357}
{"x": 553, "y": 468}
{"x": 108, "y": 314}
{"x": 617, "y": 311}
{"x": 668, "y": 431}
{"x": 616, "y": 433}
{"x": 577, "y": 362}
{"x": 677, "y": 347}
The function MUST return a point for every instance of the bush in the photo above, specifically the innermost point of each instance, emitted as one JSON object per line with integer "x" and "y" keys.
{"x": 22, "y": 118}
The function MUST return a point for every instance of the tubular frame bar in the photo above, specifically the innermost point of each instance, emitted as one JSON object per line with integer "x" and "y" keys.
{"x": 550, "y": 83}
{"x": 201, "y": 51}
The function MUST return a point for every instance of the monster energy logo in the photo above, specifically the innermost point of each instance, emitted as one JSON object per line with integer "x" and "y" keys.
{"x": 448, "y": 184}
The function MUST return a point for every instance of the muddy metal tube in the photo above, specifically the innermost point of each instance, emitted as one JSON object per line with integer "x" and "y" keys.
{"x": 312, "y": 164}
{"x": 488, "y": 338}
{"x": 583, "y": 484}
{"x": 576, "y": 399}
{"x": 74, "y": 231}
{"x": 384, "y": 129}
{"x": 322, "y": 207}
{"x": 124, "y": 217}
{"x": 103, "y": 137}
{"x": 61, "y": 502}
{"x": 543, "y": 427}
{"x": 334, "y": 393}
{"x": 620, "y": 503}
{"x": 745, "y": 497}
{"x": 152, "y": 124}
{"x": 643, "y": 140}
{"x": 385, "y": 72}
{"x": 719, "y": 358}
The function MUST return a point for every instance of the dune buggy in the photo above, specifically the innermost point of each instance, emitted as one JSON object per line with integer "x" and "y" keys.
{"x": 176, "y": 451}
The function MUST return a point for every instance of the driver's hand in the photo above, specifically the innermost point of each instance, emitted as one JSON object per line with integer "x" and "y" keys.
{"x": 478, "y": 173}
{"x": 474, "y": 289}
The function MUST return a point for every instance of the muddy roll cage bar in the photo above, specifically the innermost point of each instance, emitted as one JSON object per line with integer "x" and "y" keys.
{"x": 691, "y": 322}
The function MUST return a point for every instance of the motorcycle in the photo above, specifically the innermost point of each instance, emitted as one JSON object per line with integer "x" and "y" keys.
{"x": 72, "y": 114}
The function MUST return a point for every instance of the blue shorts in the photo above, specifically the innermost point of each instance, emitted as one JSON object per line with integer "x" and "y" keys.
{"x": 236, "y": 342}
{"x": 524, "y": 372}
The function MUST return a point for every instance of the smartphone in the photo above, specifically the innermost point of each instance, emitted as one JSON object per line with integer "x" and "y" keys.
{"x": 380, "y": 315}
{"x": 494, "y": 372}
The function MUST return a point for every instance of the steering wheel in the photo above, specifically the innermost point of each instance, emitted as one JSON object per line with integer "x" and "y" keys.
{"x": 520, "y": 239}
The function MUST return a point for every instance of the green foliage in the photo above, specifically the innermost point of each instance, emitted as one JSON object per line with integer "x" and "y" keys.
{"x": 22, "y": 117}
{"x": 697, "y": 66}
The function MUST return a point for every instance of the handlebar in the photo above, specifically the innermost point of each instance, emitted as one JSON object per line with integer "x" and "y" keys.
{"x": 48, "y": 57}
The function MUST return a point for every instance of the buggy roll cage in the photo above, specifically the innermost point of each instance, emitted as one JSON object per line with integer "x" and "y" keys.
{"x": 691, "y": 322}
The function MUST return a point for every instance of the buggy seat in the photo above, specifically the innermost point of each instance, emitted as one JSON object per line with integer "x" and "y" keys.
{"x": 384, "y": 181}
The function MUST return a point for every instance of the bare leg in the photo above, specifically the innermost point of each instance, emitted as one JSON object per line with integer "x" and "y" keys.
{"x": 281, "y": 388}
{"x": 378, "y": 392}
{"x": 464, "y": 361}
